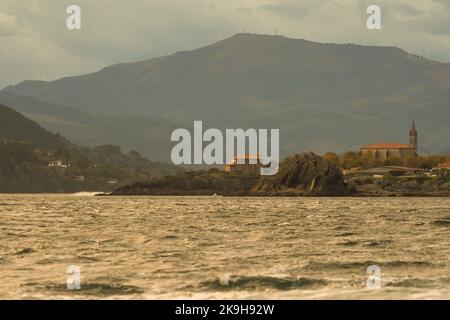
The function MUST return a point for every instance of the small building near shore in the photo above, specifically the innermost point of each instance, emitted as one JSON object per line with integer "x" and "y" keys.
{"x": 58, "y": 164}
{"x": 246, "y": 164}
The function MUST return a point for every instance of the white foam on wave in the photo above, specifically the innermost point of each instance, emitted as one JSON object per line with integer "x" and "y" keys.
{"x": 86, "y": 194}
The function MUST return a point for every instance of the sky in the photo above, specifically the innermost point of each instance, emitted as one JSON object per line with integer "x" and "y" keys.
{"x": 36, "y": 44}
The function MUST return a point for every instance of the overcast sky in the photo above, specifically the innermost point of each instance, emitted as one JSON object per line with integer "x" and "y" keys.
{"x": 35, "y": 43}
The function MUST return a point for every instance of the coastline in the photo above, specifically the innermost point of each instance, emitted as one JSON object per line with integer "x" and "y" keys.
{"x": 300, "y": 175}
{"x": 274, "y": 196}
{"x": 104, "y": 194}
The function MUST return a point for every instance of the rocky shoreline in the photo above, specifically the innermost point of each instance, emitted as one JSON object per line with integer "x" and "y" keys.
{"x": 304, "y": 174}
{"x": 299, "y": 175}
{"x": 398, "y": 187}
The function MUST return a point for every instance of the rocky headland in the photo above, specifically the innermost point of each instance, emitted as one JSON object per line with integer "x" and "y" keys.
{"x": 305, "y": 174}
{"x": 299, "y": 175}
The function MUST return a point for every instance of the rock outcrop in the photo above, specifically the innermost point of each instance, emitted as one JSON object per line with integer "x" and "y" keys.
{"x": 304, "y": 175}
{"x": 192, "y": 183}
{"x": 299, "y": 175}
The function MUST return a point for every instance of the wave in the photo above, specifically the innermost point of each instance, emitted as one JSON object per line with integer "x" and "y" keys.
{"x": 49, "y": 261}
{"x": 444, "y": 222}
{"x": 366, "y": 243}
{"x": 24, "y": 251}
{"x": 403, "y": 263}
{"x": 235, "y": 282}
{"x": 378, "y": 243}
{"x": 348, "y": 243}
{"x": 90, "y": 289}
{"x": 86, "y": 194}
{"x": 412, "y": 283}
{"x": 346, "y": 234}
{"x": 320, "y": 266}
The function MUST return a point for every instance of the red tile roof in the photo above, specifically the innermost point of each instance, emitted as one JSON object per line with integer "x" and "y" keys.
{"x": 245, "y": 157}
{"x": 444, "y": 165}
{"x": 387, "y": 146}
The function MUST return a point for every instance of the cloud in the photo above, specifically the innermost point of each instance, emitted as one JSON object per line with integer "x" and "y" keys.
{"x": 291, "y": 10}
{"x": 39, "y": 46}
{"x": 9, "y": 26}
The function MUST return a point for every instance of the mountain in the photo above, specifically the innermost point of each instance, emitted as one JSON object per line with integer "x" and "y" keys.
{"x": 147, "y": 134}
{"x": 321, "y": 96}
{"x": 14, "y": 127}
{"x": 33, "y": 159}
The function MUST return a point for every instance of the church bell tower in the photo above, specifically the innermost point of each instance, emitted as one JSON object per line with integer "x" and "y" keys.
{"x": 413, "y": 135}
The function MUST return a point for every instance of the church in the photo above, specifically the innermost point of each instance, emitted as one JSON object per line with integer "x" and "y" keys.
{"x": 386, "y": 151}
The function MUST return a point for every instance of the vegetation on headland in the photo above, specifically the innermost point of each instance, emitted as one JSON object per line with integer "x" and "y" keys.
{"x": 25, "y": 168}
{"x": 33, "y": 160}
{"x": 351, "y": 159}
{"x": 365, "y": 184}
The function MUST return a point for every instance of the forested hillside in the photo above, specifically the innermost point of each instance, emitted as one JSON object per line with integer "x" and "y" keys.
{"x": 34, "y": 160}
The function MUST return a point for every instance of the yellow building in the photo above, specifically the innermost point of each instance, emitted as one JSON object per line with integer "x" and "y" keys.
{"x": 386, "y": 151}
{"x": 247, "y": 164}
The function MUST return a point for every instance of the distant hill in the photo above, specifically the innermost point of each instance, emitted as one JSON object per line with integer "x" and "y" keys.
{"x": 14, "y": 127}
{"x": 147, "y": 134}
{"x": 34, "y": 160}
{"x": 321, "y": 96}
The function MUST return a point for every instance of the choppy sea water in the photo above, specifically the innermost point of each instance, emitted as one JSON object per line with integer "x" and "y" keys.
{"x": 223, "y": 248}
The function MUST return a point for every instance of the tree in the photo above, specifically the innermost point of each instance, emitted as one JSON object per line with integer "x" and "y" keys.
{"x": 134, "y": 154}
{"x": 368, "y": 159}
{"x": 350, "y": 159}
{"x": 109, "y": 150}
{"x": 411, "y": 162}
{"x": 332, "y": 158}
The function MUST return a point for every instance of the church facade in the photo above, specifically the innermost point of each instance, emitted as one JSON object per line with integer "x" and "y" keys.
{"x": 386, "y": 151}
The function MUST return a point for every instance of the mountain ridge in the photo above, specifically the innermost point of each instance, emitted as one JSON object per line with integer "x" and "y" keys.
{"x": 17, "y": 128}
{"x": 90, "y": 130}
{"x": 317, "y": 94}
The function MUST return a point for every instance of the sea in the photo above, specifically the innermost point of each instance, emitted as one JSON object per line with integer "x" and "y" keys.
{"x": 87, "y": 247}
